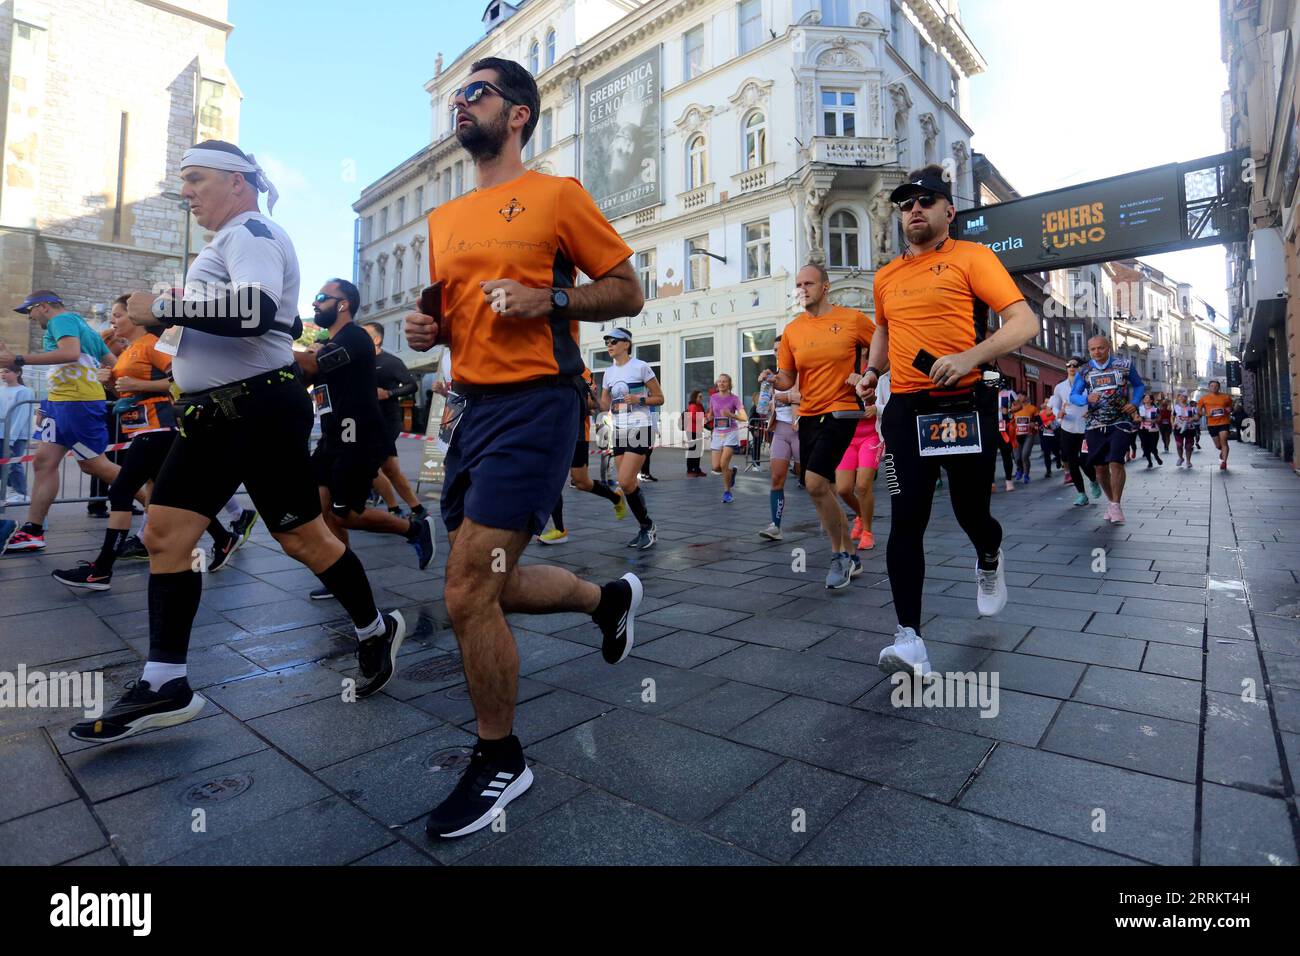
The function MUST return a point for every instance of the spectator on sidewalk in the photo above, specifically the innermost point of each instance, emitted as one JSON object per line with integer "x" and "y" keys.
{"x": 17, "y": 430}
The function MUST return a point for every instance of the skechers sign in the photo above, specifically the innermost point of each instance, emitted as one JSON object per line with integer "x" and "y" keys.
{"x": 1108, "y": 219}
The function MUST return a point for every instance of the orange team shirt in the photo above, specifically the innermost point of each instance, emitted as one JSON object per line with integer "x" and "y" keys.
{"x": 1024, "y": 415}
{"x": 141, "y": 359}
{"x": 538, "y": 230}
{"x": 928, "y": 302}
{"x": 1215, "y": 408}
{"x": 821, "y": 351}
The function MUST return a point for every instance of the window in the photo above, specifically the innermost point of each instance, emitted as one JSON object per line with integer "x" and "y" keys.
{"x": 419, "y": 200}
{"x": 446, "y": 186}
{"x": 697, "y": 264}
{"x": 369, "y": 231}
{"x": 415, "y": 272}
{"x": 649, "y": 353}
{"x": 755, "y": 140}
{"x": 757, "y": 352}
{"x": 209, "y": 108}
{"x": 835, "y": 13}
{"x": 843, "y": 240}
{"x": 896, "y": 27}
{"x": 397, "y": 278}
{"x": 546, "y": 124}
{"x": 952, "y": 88}
{"x": 533, "y": 58}
{"x": 600, "y": 361}
{"x": 697, "y": 367}
{"x": 749, "y": 13}
{"x": 839, "y": 112}
{"x": 383, "y": 277}
{"x": 383, "y": 221}
{"x": 530, "y": 148}
{"x": 460, "y": 177}
{"x": 697, "y": 162}
{"x": 401, "y": 210}
{"x": 646, "y": 272}
{"x": 693, "y": 53}
{"x": 758, "y": 249}
{"x": 550, "y": 47}
{"x": 927, "y": 56}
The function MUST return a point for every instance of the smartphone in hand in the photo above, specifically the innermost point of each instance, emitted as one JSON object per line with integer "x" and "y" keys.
{"x": 924, "y": 361}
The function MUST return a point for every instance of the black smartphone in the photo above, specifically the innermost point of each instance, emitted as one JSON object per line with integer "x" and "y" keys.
{"x": 924, "y": 361}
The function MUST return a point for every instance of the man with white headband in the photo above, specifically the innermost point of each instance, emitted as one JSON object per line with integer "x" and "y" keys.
{"x": 244, "y": 417}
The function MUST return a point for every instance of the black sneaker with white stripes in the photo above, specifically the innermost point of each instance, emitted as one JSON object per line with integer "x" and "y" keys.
{"x": 142, "y": 708}
{"x": 488, "y": 784}
{"x": 616, "y": 616}
{"x": 377, "y": 656}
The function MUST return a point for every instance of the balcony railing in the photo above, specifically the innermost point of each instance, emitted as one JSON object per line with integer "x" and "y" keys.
{"x": 696, "y": 198}
{"x": 756, "y": 178}
{"x": 849, "y": 151}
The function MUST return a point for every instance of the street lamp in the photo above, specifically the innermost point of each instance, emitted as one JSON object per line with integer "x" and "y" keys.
{"x": 185, "y": 254}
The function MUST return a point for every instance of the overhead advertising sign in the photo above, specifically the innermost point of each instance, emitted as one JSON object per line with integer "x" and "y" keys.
{"x": 622, "y": 138}
{"x": 1109, "y": 219}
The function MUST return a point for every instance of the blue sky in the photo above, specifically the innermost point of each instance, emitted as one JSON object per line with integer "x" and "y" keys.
{"x": 334, "y": 98}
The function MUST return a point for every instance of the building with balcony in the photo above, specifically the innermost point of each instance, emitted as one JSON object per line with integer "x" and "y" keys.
{"x": 770, "y": 135}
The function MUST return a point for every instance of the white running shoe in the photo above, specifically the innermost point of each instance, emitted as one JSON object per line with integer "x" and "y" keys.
{"x": 907, "y": 653}
{"x": 991, "y": 588}
{"x": 771, "y": 532}
{"x": 1119, "y": 514}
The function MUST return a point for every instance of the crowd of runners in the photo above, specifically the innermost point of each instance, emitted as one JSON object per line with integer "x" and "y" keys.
{"x": 211, "y": 392}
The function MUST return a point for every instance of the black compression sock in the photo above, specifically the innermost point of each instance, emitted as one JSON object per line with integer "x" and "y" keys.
{"x": 557, "y": 515}
{"x": 33, "y": 528}
{"x": 502, "y": 749}
{"x": 108, "y": 551}
{"x": 418, "y": 511}
{"x": 988, "y": 563}
{"x": 346, "y": 580}
{"x": 173, "y": 602}
{"x": 636, "y": 502}
{"x": 413, "y": 527}
{"x": 602, "y": 490}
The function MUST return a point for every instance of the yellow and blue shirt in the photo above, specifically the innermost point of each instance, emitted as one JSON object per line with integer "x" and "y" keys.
{"x": 75, "y": 381}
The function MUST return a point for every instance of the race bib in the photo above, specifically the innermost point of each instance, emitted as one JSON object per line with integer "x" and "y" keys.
{"x": 1217, "y": 414}
{"x": 320, "y": 396}
{"x": 948, "y": 433}
{"x": 1150, "y": 424}
{"x": 169, "y": 343}
{"x": 451, "y": 414}
{"x": 135, "y": 417}
{"x": 1104, "y": 381}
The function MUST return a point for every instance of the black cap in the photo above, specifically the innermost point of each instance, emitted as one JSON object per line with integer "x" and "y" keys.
{"x": 925, "y": 183}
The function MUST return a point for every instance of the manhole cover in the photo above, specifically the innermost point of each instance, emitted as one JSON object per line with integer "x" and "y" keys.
{"x": 459, "y": 692}
{"x": 220, "y": 789}
{"x": 434, "y": 669}
{"x": 453, "y": 759}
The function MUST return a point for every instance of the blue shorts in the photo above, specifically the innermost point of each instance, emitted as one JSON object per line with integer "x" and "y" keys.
{"x": 80, "y": 427}
{"x": 509, "y": 458}
{"x": 1108, "y": 445}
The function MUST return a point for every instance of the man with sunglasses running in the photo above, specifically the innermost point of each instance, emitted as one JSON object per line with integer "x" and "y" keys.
{"x": 505, "y": 258}
{"x": 1111, "y": 389}
{"x": 939, "y": 411}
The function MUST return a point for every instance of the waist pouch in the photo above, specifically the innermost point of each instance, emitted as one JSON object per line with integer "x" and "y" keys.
{"x": 196, "y": 411}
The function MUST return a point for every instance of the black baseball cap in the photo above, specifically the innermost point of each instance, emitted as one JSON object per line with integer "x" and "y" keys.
{"x": 927, "y": 182}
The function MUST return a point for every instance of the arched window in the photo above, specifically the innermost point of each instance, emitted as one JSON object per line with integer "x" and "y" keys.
{"x": 755, "y": 140}
{"x": 550, "y": 47}
{"x": 697, "y": 162}
{"x": 532, "y": 58}
{"x": 398, "y": 288}
{"x": 843, "y": 239}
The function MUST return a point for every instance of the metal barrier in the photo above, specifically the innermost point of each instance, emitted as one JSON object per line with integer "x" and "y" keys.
{"x": 82, "y": 480}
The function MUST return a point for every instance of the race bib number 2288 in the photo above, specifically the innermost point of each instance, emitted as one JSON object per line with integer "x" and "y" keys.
{"x": 948, "y": 433}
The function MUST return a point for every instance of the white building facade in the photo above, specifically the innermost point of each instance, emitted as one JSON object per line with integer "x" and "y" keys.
{"x": 782, "y": 125}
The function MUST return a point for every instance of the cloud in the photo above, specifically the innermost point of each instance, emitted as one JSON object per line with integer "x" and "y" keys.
{"x": 289, "y": 180}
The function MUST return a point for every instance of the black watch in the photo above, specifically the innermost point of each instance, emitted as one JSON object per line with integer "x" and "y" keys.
{"x": 873, "y": 370}
{"x": 19, "y": 361}
{"x": 559, "y": 299}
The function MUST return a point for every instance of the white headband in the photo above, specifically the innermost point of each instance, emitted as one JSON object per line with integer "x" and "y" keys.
{"x": 229, "y": 162}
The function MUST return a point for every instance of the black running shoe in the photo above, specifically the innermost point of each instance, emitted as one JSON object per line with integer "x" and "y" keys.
{"x": 482, "y": 793}
{"x": 377, "y": 656}
{"x": 616, "y": 616}
{"x": 425, "y": 545}
{"x": 133, "y": 549}
{"x": 243, "y": 526}
{"x": 141, "y": 708}
{"x": 221, "y": 553}
{"x": 84, "y": 575}
{"x": 645, "y": 539}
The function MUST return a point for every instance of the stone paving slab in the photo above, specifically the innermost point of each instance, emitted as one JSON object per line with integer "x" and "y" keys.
{"x": 749, "y": 725}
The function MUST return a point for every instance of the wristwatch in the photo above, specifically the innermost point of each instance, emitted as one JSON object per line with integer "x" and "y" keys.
{"x": 160, "y": 307}
{"x": 19, "y": 361}
{"x": 873, "y": 370}
{"x": 559, "y": 299}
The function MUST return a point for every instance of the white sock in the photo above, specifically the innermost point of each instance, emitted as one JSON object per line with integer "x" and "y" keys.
{"x": 373, "y": 630}
{"x": 158, "y": 674}
{"x": 232, "y": 510}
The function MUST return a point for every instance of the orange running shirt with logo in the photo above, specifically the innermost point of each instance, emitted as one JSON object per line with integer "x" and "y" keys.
{"x": 141, "y": 359}
{"x": 822, "y": 351}
{"x": 538, "y": 230}
{"x": 1024, "y": 417}
{"x": 928, "y": 302}
{"x": 1217, "y": 409}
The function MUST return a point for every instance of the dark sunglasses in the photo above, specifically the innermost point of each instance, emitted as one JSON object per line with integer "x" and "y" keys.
{"x": 474, "y": 92}
{"x": 927, "y": 200}
{"x": 322, "y": 297}
{"x": 1071, "y": 364}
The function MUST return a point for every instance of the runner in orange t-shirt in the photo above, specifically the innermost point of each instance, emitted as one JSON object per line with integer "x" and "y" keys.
{"x": 821, "y": 348}
{"x": 939, "y": 410}
{"x": 1217, "y": 409}
{"x": 1024, "y": 418}
{"x": 506, "y": 257}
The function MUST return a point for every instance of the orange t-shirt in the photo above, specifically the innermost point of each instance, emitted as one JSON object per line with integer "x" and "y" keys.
{"x": 538, "y": 230}
{"x": 586, "y": 415}
{"x": 141, "y": 359}
{"x": 928, "y": 302}
{"x": 1024, "y": 417}
{"x": 822, "y": 351}
{"x": 1217, "y": 409}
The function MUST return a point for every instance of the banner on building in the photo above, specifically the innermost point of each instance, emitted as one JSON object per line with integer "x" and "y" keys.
{"x": 623, "y": 137}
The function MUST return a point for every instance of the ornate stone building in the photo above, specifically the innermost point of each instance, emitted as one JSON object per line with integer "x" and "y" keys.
{"x": 93, "y": 138}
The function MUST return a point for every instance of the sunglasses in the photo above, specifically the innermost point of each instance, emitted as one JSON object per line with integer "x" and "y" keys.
{"x": 473, "y": 92}
{"x": 926, "y": 200}
{"x": 322, "y": 297}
